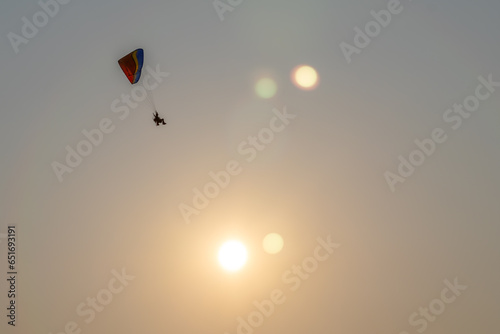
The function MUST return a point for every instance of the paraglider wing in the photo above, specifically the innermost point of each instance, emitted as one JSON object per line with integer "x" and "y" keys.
{"x": 131, "y": 65}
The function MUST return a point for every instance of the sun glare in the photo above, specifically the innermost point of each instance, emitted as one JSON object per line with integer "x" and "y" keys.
{"x": 232, "y": 255}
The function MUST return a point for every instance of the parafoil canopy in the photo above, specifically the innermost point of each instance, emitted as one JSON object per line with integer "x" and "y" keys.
{"x": 131, "y": 65}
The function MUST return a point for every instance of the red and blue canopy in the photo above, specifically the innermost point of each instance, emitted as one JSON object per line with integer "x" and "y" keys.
{"x": 131, "y": 65}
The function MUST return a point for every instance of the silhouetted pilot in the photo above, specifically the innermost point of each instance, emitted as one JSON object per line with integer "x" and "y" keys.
{"x": 158, "y": 120}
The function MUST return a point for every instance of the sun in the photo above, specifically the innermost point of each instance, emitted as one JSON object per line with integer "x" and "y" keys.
{"x": 232, "y": 255}
{"x": 305, "y": 77}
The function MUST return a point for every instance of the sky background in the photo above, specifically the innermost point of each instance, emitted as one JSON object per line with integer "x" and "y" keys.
{"x": 323, "y": 175}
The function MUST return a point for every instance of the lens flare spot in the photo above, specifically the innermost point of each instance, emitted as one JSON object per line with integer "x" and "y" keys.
{"x": 305, "y": 77}
{"x": 265, "y": 88}
{"x": 272, "y": 243}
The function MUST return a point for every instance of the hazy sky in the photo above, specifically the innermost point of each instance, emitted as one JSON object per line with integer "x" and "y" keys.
{"x": 332, "y": 172}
